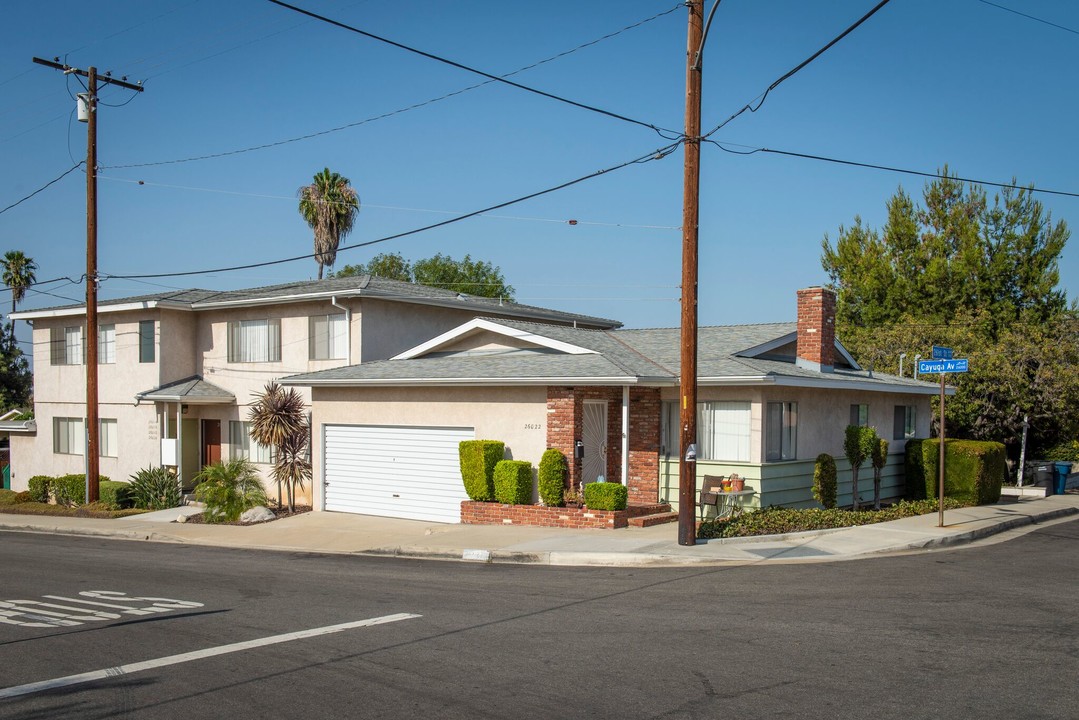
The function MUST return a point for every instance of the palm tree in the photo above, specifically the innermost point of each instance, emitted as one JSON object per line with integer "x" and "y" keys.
{"x": 278, "y": 420}
{"x": 329, "y": 206}
{"x": 18, "y": 274}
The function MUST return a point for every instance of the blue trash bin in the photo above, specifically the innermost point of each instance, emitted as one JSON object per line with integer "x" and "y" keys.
{"x": 1063, "y": 469}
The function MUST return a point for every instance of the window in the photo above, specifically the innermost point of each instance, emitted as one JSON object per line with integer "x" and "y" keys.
{"x": 904, "y": 426}
{"x": 859, "y": 415}
{"x": 255, "y": 341}
{"x": 146, "y": 341}
{"x": 781, "y": 431}
{"x": 107, "y": 439}
{"x": 328, "y": 337}
{"x": 246, "y": 448}
{"x": 106, "y": 344}
{"x": 66, "y": 345}
{"x": 722, "y": 430}
{"x": 67, "y": 436}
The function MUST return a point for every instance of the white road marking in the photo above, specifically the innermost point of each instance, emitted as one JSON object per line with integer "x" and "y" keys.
{"x": 132, "y": 668}
{"x": 12, "y": 610}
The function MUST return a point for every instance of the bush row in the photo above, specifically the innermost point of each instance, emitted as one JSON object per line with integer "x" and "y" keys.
{"x": 974, "y": 471}
{"x": 65, "y": 489}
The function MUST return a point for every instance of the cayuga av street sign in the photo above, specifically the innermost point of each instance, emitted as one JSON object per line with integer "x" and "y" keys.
{"x": 942, "y": 366}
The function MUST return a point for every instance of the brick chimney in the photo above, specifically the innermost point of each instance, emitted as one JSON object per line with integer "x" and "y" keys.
{"x": 816, "y": 329}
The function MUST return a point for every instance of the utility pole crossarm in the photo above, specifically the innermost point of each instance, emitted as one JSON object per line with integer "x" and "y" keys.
{"x": 101, "y": 79}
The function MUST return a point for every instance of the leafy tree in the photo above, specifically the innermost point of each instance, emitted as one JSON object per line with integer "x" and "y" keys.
{"x": 472, "y": 277}
{"x": 329, "y": 205}
{"x": 981, "y": 277}
{"x": 392, "y": 266}
{"x": 279, "y": 420}
{"x": 18, "y": 274}
{"x": 858, "y": 443}
{"x": 16, "y": 380}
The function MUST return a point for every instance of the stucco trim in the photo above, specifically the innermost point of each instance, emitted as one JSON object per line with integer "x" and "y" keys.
{"x": 482, "y": 324}
{"x": 101, "y": 309}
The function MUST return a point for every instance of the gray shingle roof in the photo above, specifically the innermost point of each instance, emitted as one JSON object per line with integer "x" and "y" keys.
{"x": 192, "y": 389}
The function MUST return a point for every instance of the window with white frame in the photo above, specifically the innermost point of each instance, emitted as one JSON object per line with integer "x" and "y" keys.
{"x": 328, "y": 337}
{"x": 107, "y": 439}
{"x": 722, "y": 430}
{"x": 66, "y": 345}
{"x": 781, "y": 431}
{"x": 243, "y": 447}
{"x": 67, "y": 436}
{"x": 254, "y": 341}
{"x": 904, "y": 425}
{"x": 859, "y": 415}
{"x": 147, "y": 346}
{"x": 106, "y": 344}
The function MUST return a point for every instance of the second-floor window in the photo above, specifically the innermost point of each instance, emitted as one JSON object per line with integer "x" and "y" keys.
{"x": 106, "y": 344}
{"x": 146, "y": 341}
{"x": 254, "y": 341}
{"x": 329, "y": 339}
{"x": 66, "y": 345}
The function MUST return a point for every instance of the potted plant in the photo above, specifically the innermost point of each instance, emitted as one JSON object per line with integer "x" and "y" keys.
{"x": 738, "y": 483}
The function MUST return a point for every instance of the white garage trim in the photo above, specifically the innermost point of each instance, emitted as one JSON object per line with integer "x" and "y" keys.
{"x": 394, "y": 471}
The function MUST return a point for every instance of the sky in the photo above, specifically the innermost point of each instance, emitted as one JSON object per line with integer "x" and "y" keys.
{"x": 921, "y": 84}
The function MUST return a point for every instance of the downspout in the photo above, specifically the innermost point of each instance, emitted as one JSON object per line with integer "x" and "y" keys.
{"x": 348, "y": 326}
{"x": 625, "y": 435}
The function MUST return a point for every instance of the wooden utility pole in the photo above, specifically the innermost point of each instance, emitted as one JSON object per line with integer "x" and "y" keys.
{"x": 93, "y": 473}
{"x": 687, "y": 466}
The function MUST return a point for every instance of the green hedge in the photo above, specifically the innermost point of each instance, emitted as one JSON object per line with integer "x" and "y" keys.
{"x": 478, "y": 460}
{"x": 552, "y": 477}
{"x": 606, "y": 496}
{"x": 513, "y": 482}
{"x": 825, "y": 486}
{"x": 974, "y": 470}
{"x": 38, "y": 487}
{"x": 7, "y": 497}
{"x": 116, "y": 494}
{"x": 64, "y": 490}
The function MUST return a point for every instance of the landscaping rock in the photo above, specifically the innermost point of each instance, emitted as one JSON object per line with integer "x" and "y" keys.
{"x": 181, "y": 519}
{"x": 257, "y": 514}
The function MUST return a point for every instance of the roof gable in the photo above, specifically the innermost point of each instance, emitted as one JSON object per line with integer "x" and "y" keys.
{"x": 466, "y": 338}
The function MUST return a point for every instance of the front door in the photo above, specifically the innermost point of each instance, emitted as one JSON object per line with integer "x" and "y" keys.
{"x": 211, "y": 442}
{"x": 594, "y": 437}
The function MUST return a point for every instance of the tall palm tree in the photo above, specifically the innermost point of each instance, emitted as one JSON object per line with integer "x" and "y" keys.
{"x": 278, "y": 420}
{"x": 18, "y": 274}
{"x": 329, "y": 206}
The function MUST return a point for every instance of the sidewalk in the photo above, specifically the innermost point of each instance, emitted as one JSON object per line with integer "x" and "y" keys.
{"x": 324, "y": 532}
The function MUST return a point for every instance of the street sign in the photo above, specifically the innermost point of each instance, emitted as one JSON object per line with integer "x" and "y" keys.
{"x": 941, "y": 353}
{"x": 942, "y": 366}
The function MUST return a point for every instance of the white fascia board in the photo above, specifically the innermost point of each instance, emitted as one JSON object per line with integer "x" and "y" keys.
{"x": 846, "y": 355}
{"x": 201, "y": 400}
{"x": 864, "y": 384}
{"x": 768, "y": 346}
{"x": 101, "y": 309}
{"x": 482, "y": 324}
{"x": 277, "y": 299}
{"x": 495, "y": 382}
{"x": 736, "y": 380}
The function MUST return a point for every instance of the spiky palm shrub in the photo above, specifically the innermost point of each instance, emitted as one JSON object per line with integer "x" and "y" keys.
{"x": 155, "y": 488}
{"x": 228, "y": 488}
{"x": 329, "y": 205}
{"x": 279, "y": 419}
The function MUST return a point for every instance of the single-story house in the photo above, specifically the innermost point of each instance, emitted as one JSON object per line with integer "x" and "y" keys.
{"x": 771, "y": 397}
{"x": 177, "y": 369}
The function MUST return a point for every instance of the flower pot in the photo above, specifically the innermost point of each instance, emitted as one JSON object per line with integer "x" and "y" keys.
{"x": 738, "y": 485}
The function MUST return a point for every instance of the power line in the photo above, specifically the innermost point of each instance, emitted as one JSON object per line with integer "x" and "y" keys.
{"x": 1029, "y": 17}
{"x": 70, "y": 170}
{"x": 399, "y": 111}
{"x": 790, "y": 73}
{"x": 919, "y": 173}
{"x": 591, "y": 108}
{"x": 648, "y": 157}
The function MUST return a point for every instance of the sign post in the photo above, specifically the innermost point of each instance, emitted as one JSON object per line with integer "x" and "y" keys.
{"x": 941, "y": 363}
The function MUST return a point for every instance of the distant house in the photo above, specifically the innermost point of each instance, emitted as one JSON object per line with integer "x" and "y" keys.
{"x": 177, "y": 369}
{"x": 770, "y": 398}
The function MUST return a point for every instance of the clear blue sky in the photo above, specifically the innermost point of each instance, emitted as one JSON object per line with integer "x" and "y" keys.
{"x": 921, "y": 84}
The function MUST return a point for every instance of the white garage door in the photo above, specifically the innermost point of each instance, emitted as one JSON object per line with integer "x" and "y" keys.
{"x": 403, "y": 472}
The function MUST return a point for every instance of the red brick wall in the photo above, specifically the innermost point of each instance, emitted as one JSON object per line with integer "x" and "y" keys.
{"x": 816, "y": 325}
{"x": 485, "y": 513}
{"x": 644, "y": 410}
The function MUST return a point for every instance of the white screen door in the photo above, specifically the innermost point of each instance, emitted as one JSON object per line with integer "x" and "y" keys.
{"x": 594, "y": 437}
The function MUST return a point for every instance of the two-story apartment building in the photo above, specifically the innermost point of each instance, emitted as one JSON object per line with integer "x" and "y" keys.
{"x": 176, "y": 370}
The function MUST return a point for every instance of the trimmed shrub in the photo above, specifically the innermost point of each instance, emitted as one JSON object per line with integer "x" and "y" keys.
{"x": 825, "y": 486}
{"x": 478, "y": 460}
{"x": 38, "y": 487}
{"x": 552, "y": 477}
{"x": 22, "y": 497}
{"x": 974, "y": 470}
{"x": 68, "y": 490}
{"x": 7, "y": 497}
{"x": 606, "y": 496}
{"x": 513, "y": 482}
{"x": 115, "y": 495}
{"x": 153, "y": 488}
{"x": 858, "y": 444}
{"x": 914, "y": 468}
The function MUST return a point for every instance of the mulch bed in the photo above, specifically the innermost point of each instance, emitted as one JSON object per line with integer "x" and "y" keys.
{"x": 282, "y": 512}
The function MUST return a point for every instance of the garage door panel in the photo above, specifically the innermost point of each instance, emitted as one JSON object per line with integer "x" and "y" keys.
{"x": 406, "y": 472}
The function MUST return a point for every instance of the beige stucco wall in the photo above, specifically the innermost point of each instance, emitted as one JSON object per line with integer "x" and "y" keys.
{"x": 514, "y": 415}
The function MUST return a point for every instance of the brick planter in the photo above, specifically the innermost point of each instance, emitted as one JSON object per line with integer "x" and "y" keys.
{"x": 489, "y": 513}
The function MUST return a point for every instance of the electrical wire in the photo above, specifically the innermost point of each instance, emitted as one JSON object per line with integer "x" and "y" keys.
{"x": 399, "y": 111}
{"x": 648, "y": 157}
{"x": 790, "y": 73}
{"x": 70, "y": 170}
{"x": 1028, "y": 17}
{"x": 489, "y": 76}
{"x": 889, "y": 168}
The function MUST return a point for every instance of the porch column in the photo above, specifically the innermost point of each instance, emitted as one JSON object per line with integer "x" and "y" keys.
{"x": 179, "y": 443}
{"x": 625, "y": 434}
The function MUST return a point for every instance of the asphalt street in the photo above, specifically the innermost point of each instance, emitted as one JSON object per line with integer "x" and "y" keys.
{"x": 105, "y": 628}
